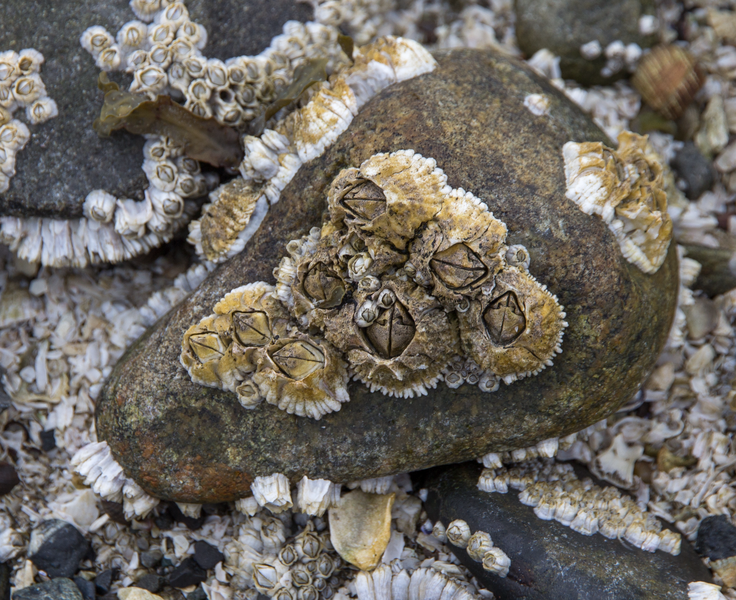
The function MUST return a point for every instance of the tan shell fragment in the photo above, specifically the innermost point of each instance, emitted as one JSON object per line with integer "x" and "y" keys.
{"x": 389, "y": 196}
{"x": 224, "y": 349}
{"x": 626, "y": 189}
{"x": 458, "y": 252}
{"x": 516, "y": 330}
{"x": 224, "y": 219}
{"x": 302, "y": 375}
{"x": 397, "y": 339}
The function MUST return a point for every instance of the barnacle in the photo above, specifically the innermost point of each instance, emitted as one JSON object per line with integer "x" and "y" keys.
{"x": 516, "y": 329}
{"x": 626, "y": 189}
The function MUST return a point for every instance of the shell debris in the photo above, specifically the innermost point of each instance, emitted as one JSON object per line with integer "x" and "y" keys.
{"x": 479, "y": 547}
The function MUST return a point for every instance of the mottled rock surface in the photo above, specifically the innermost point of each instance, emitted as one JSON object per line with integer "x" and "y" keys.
{"x": 548, "y": 560}
{"x": 56, "y": 589}
{"x": 57, "y": 547}
{"x": 65, "y": 159}
{"x": 562, "y": 26}
{"x": 186, "y": 442}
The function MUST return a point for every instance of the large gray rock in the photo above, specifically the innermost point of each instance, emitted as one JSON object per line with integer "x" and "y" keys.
{"x": 190, "y": 443}
{"x": 65, "y": 159}
{"x": 548, "y": 560}
{"x": 56, "y": 589}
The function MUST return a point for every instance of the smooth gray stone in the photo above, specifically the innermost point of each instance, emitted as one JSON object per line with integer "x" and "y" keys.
{"x": 548, "y": 560}
{"x": 65, "y": 159}
{"x": 56, "y": 589}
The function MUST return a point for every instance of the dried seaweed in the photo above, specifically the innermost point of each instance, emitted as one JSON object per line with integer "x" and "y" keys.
{"x": 203, "y": 139}
{"x": 314, "y": 71}
{"x": 347, "y": 45}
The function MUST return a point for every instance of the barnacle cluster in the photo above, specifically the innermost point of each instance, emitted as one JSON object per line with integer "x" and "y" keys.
{"x": 554, "y": 492}
{"x": 20, "y": 87}
{"x": 478, "y": 545}
{"x": 387, "y": 583}
{"x": 625, "y": 188}
{"x": 272, "y": 159}
{"x": 406, "y": 279}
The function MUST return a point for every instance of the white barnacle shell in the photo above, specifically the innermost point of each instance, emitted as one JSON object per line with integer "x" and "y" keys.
{"x": 496, "y": 561}
{"x": 8, "y": 68}
{"x": 199, "y": 107}
{"x": 145, "y": 10}
{"x": 439, "y": 531}
{"x": 29, "y": 61}
{"x": 136, "y": 502}
{"x": 41, "y": 110}
{"x": 161, "y": 174}
{"x": 168, "y": 204}
{"x": 538, "y": 104}
{"x": 616, "y": 464}
{"x": 136, "y": 60}
{"x": 670, "y": 542}
{"x": 585, "y": 521}
{"x": 150, "y": 80}
{"x": 95, "y": 39}
{"x": 190, "y": 510}
{"x": 518, "y": 256}
{"x": 478, "y": 544}
{"x": 248, "y": 506}
{"x": 110, "y": 58}
{"x": 99, "y": 470}
{"x": 490, "y": 481}
{"x": 175, "y": 14}
{"x": 159, "y": 55}
{"x": 315, "y": 496}
{"x": 216, "y": 73}
{"x": 272, "y": 492}
{"x": 193, "y": 32}
{"x": 640, "y": 536}
{"x": 99, "y": 206}
{"x": 531, "y": 495}
{"x": 132, "y": 36}
{"x": 161, "y": 33}
{"x": 199, "y": 91}
{"x": 14, "y": 135}
{"x": 28, "y": 88}
{"x": 131, "y": 217}
{"x": 458, "y": 533}
{"x": 701, "y": 590}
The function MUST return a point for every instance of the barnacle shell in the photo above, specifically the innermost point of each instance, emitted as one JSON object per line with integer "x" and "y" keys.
{"x": 272, "y": 492}
{"x": 478, "y": 544}
{"x": 496, "y": 561}
{"x": 668, "y": 79}
{"x": 626, "y": 189}
{"x": 458, "y": 533}
{"x": 397, "y": 339}
{"x": 224, "y": 349}
{"x": 516, "y": 330}
{"x": 302, "y": 375}
{"x": 390, "y": 195}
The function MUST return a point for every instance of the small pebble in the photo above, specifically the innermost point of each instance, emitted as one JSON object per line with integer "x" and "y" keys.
{"x": 8, "y": 478}
{"x": 702, "y": 318}
{"x": 206, "y": 555}
{"x": 198, "y": 594}
{"x": 151, "y": 582}
{"x": 142, "y": 543}
{"x": 694, "y": 170}
{"x": 716, "y": 538}
{"x": 86, "y": 588}
{"x": 57, "y": 548}
{"x": 187, "y": 573}
{"x": 103, "y": 582}
{"x": 191, "y": 523}
{"x": 135, "y": 593}
{"x": 48, "y": 440}
{"x": 56, "y": 589}
{"x": 5, "y": 581}
{"x": 151, "y": 558}
{"x": 114, "y": 510}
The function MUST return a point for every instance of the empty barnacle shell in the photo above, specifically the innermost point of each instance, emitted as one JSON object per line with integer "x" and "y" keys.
{"x": 496, "y": 561}
{"x": 272, "y": 492}
{"x": 41, "y": 110}
{"x": 390, "y": 195}
{"x": 400, "y": 349}
{"x": 303, "y": 375}
{"x": 518, "y": 256}
{"x": 458, "y": 533}
{"x": 95, "y": 39}
{"x": 668, "y": 78}
{"x": 626, "y": 189}
{"x": 478, "y": 544}
{"x": 516, "y": 331}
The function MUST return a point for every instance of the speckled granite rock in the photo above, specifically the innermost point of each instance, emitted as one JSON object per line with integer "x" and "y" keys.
{"x": 191, "y": 443}
{"x": 56, "y": 589}
{"x": 562, "y": 26}
{"x": 65, "y": 159}
{"x": 548, "y": 560}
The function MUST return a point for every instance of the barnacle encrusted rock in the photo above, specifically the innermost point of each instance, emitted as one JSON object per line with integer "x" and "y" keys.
{"x": 625, "y": 188}
{"x": 586, "y": 566}
{"x": 190, "y": 443}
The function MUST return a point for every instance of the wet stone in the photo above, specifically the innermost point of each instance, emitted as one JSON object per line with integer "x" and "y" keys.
{"x": 716, "y": 538}
{"x": 48, "y": 440}
{"x": 206, "y": 555}
{"x": 187, "y": 573}
{"x": 8, "y": 478}
{"x": 693, "y": 170}
{"x": 56, "y": 589}
{"x": 57, "y": 548}
{"x": 190, "y": 443}
{"x": 563, "y": 26}
{"x": 86, "y": 588}
{"x": 151, "y": 558}
{"x": 584, "y": 566}
{"x": 5, "y": 571}
{"x": 103, "y": 581}
{"x": 65, "y": 159}
{"x": 151, "y": 582}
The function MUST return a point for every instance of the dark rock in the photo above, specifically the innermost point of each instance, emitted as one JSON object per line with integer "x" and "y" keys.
{"x": 8, "y": 478}
{"x": 115, "y": 511}
{"x": 187, "y": 573}
{"x": 5, "y": 401}
{"x": 694, "y": 169}
{"x": 151, "y": 558}
{"x": 48, "y": 440}
{"x": 562, "y": 26}
{"x": 718, "y": 273}
{"x": 190, "y": 443}
{"x": 142, "y": 544}
{"x": 151, "y": 582}
{"x": 548, "y": 560}
{"x": 164, "y": 521}
{"x": 103, "y": 581}
{"x": 86, "y": 588}
{"x": 57, "y": 548}
{"x": 198, "y": 594}
{"x": 191, "y": 523}
{"x": 65, "y": 159}
{"x": 5, "y": 571}
{"x": 206, "y": 555}
{"x": 56, "y": 589}
{"x": 716, "y": 538}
